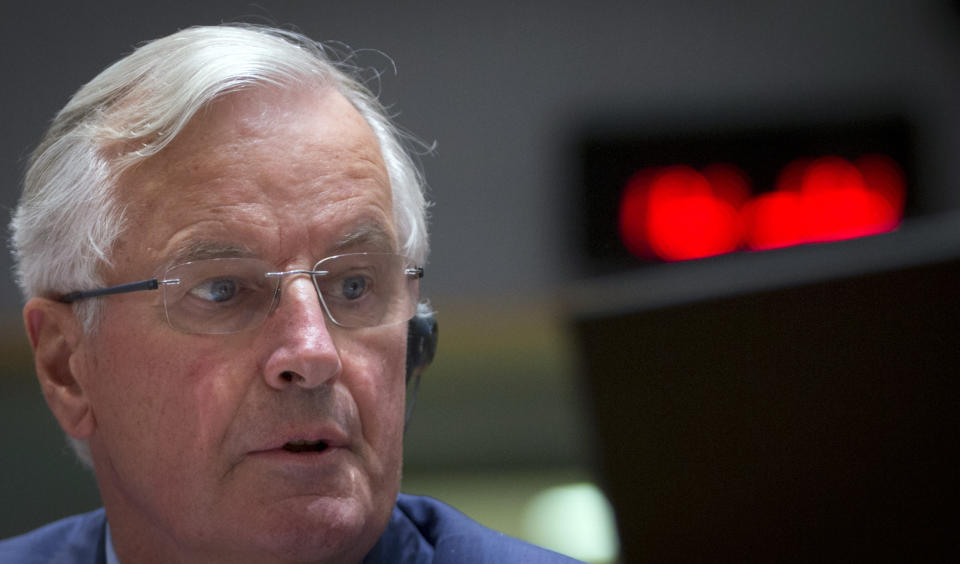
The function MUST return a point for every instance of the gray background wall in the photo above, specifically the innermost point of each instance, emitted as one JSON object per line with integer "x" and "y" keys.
{"x": 503, "y": 88}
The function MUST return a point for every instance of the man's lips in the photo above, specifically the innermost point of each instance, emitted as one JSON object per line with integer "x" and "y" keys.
{"x": 303, "y": 441}
{"x": 305, "y": 446}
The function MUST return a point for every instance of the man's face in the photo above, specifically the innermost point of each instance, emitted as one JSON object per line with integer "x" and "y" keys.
{"x": 190, "y": 429}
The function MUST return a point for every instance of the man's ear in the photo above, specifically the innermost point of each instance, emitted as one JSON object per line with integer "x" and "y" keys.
{"x": 56, "y": 335}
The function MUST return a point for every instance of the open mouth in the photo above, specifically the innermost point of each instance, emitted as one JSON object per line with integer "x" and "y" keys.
{"x": 305, "y": 446}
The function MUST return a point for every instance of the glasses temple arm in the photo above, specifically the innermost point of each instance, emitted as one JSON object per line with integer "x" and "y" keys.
{"x": 151, "y": 284}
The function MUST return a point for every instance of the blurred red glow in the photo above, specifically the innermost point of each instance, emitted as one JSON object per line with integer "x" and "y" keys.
{"x": 678, "y": 213}
{"x": 633, "y": 215}
{"x": 728, "y": 183}
{"x": 688, "y": 218}
{"x": 884, "y": 176}
{"x": 774, "y": 220}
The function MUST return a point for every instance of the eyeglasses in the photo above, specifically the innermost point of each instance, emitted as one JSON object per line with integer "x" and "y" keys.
{"x": 229, "y": 295}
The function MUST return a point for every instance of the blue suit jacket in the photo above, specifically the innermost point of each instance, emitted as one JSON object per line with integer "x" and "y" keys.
{"x": 421, "y": 530}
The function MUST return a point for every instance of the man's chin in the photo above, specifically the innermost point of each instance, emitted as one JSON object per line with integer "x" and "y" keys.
{"x": 321, "y": 529}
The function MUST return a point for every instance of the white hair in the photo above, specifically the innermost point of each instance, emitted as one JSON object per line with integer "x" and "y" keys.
{"x": 68, "y": 218}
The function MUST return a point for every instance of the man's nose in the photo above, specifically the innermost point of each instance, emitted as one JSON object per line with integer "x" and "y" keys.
{"x": 301, "y": 351}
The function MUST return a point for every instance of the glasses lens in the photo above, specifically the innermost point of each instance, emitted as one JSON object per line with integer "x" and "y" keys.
{"x": 218, "y": 296}
{"x": 367, "y": 289}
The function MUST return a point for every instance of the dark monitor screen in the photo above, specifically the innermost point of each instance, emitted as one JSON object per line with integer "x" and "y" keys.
{"x": 809, "y": 423}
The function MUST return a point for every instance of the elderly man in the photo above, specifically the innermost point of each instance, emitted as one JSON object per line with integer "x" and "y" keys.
{"x": 221, "y": 240}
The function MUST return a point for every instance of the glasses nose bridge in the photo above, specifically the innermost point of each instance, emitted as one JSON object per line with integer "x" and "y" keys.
{"x": 293, "y": 274}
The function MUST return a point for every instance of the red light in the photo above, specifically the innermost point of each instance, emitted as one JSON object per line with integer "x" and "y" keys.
{"x": 728, "y": 183}
{"x": 687, "y": 218}
{"x": 774, "y": 220}
{"x": 839, "y": 204}
{"x": 884, "y": 177}
{"x": 678, "y": 213}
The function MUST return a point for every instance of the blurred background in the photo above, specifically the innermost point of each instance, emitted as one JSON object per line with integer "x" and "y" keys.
{"x": 653, "y": 345}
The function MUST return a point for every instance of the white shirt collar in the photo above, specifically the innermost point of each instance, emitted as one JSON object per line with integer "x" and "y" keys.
{"x": 111, "y": 553}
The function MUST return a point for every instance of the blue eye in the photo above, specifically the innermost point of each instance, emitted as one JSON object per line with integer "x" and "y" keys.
{"x": 217, "y": 290}
{"x": 353, "y": 287}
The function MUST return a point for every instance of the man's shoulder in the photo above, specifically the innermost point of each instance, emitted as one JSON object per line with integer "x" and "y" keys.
{"x": 74, "y": 539}
{"x": 427, "y": 530}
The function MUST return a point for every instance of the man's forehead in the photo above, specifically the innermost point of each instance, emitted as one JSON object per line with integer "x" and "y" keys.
{"x": 307, "y": 118}
{"x": 221, "y": 192}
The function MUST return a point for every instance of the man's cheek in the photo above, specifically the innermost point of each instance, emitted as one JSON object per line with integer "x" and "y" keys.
{"x": 194, "y": 399}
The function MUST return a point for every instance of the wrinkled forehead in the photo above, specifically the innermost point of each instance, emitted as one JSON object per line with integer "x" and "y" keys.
{"x": 292, "y": 151}
{"x": 301, "y": 115}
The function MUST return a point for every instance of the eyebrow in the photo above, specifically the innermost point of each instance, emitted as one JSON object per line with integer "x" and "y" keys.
{"x": 203, "y": 250}
{"x": 368, "y": 236}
